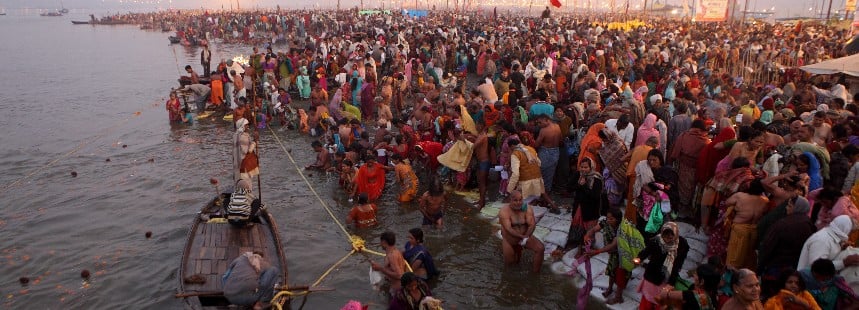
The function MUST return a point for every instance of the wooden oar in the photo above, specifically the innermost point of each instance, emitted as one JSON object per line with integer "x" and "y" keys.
{"x": 294, "y": 288}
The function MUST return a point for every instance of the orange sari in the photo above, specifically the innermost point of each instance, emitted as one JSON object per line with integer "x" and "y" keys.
{"x": 370, "y": 180}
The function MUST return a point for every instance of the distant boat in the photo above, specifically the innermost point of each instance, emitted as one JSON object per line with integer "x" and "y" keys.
{"x": 2, "y": 13}
{"x": 63, "y": 9}
{"x": 51, "y": 14}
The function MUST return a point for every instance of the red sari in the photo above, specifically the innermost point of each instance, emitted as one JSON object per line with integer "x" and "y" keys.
{"x": 710, "y": 156}
{"x": 370, "y": 180}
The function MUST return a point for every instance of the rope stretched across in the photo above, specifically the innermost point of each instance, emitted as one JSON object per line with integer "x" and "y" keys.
{"x": 356, "y": 241}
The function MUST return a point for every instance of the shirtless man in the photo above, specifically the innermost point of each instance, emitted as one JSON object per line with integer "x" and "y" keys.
{"x": 548, "y": 142}
{"x": 318, "y": 96}
{"x": 795, "y": 126}
{"x": 394, "y": 265}
{"x": 322, "y": 159}
{"x": 192, "y": 76}
{"x": 749, "y": 207}
{"x": 481, "y": 151}
{"x": 431, "y": 204}
{"x": 517, "y": 225}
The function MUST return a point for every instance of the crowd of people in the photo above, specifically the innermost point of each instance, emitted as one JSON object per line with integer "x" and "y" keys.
{"x": 640, "y": 126}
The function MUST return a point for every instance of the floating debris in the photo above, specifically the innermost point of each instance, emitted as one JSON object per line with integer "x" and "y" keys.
{"x": 107, "y": 160}
{"x": 74, "y": 174}
{"x": 214, "y": 181}
{"x": 124, "y": 145}
{"x": 85, "y": 274}
{"x": 152, "y": 160}
{"x": 148, "y": 234}
{"x": 24, "y": 280}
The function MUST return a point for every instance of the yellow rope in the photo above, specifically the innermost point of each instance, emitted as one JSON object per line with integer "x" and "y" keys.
{"x": 356, "y": 241}
{"x": 294, "y": 164}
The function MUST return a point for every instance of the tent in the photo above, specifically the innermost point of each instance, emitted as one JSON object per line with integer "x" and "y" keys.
{"x": 848, "y": 65}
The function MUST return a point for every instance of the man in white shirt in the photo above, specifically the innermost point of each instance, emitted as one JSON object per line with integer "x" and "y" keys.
{"x": 623, "y": 129}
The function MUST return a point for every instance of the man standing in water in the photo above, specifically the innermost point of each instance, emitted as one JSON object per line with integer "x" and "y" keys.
{"x": 432, "y": 203}
{"x": 206, "y": 60}
{"x": 394, "y": 265}
{"x": 548, "y": 142}
{"x": 481, "y": 151}
{"x": 517, "y": 226}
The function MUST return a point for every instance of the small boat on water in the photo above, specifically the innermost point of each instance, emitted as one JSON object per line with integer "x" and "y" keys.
{"x": 212, "y": 245}
{"x": 51, "y": 14}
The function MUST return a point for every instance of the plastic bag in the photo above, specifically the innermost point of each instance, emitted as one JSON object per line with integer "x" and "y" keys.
{"x": 376, "y": 278}
{"x": 654, "y": 223}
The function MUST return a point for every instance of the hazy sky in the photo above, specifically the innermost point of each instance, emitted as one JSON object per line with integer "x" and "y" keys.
{"x": 783, "y": 8}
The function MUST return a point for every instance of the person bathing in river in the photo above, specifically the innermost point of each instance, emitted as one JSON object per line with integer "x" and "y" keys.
{"x": 394, "y": 264}
{"x": 418, "y": 256}
{"x": 323, "y": 161}
{"x": 431, "y": 204}
{"x": 517, "y": 226}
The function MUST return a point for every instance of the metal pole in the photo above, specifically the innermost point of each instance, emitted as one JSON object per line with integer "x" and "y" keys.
{"x": 829, "y": 11}
{"x": 745, "y": 10}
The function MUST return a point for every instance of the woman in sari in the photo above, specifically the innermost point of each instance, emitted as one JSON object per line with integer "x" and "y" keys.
{"x": 808, "y": 164}
{"x": 686, "y": 152}
{"x": 418, "y": 256}
{"x": 609, "y": 226}
{"x": 716, "y": 193}
{"x": 612, "y": 153}
{"x": 666, "y": 251}
{"x": 647, "y": 130}
{"x": 174, "y": 108}
{"x": 406, "y": 178}
{"x": 712, "y": 154}
{"x": 588, "y": 192}
{"x": 370, "y": 179}
{"x": 591, "y": 143}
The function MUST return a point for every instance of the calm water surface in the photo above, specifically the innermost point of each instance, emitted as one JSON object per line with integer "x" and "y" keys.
{"x": 90, "y": 100}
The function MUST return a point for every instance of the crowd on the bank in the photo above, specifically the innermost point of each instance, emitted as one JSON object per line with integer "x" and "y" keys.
{"x": 667, "y": 122}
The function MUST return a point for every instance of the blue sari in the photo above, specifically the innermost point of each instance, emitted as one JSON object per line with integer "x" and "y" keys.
{"x": 419, "y": 252}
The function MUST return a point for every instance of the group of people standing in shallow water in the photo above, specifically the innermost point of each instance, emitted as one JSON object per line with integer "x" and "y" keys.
{"x": 636, "y": 130}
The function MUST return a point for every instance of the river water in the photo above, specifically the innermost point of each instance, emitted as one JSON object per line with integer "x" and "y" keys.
{"x": 89, "y": 100}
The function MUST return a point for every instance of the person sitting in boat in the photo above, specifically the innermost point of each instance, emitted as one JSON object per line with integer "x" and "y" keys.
{"x": 192, "y": 76}
{"x": 243, "y": 206}
{"x": 250, "y": 281}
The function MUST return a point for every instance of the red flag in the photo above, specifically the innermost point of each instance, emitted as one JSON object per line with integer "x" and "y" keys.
{"x": 555, "y": 3}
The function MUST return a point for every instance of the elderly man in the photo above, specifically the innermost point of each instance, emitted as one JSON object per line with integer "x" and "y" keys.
{"x": 517, "y": 226}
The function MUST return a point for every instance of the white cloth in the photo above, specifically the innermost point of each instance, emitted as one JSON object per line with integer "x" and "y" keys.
{"x": 826, "y": 243}
{"x": 625, "y": 134}
{"x": 850, "y": 274}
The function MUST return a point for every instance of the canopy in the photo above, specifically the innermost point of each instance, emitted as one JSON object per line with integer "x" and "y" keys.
{"x": 848, "y": 65}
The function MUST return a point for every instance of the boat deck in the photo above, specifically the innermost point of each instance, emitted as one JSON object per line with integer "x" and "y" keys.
{"x": 213, "y": 245}
{"x": 217, "y": 244}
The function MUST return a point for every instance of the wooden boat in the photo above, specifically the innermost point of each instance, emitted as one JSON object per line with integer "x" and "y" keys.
{"x": 185, "y": 81}
{"x": 100, "y": 22}
{"x": 80, "y": 22}
{"x": 51, "y": 14}
{"x": 211, "y": 247}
